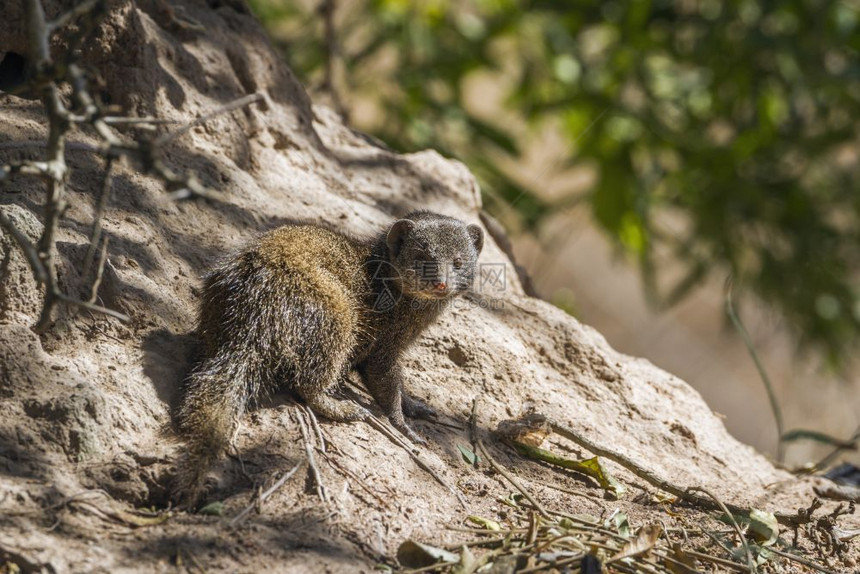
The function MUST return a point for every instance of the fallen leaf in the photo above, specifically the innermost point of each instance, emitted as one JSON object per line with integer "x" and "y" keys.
{"x": 485, "y": 522}
{"x": 621, "y": 523}
{"x": 764, "y": 527}
{"x": 661, "y": 497}
{"x": 844, "y": 535}
{"x": 468, "y": 455}
{"x": 645, "y": 540}
{"x": 212, "y": 509}
{"x": 468, "y": 563}
{"x": 592, "y": 467}
{"x": 683, "y": 564}
{"x": 413, "y": 554}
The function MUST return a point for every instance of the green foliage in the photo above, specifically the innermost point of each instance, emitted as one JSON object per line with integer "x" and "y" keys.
{"x": 738, "y": 119}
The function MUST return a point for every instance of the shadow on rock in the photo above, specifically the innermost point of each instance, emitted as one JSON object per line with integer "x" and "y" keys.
{"x": 167, "y": 359}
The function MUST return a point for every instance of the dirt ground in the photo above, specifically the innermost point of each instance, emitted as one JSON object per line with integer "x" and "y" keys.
{"x": 85, "y": 441}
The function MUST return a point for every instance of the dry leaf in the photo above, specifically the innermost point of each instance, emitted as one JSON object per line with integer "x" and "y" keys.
{"x": 643, "y": 543}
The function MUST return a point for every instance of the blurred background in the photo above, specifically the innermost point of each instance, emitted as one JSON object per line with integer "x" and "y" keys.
{"x": 649, "y": 159}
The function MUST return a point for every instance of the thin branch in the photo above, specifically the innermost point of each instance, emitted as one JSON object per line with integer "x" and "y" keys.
{"x": 731, "y": 517}
{"x": 70, "y": 145}
{"x": 264, "y": 495}
{"x": 100, "y": 269}
{"x": 27, "y": 247}
{"x": 380, "y": 426}
{"x": 309, "y": 413}
{"x": 119, "y": 120}
{"x": 55, "y": 173}
{"x": 768, "y": 386}
{"x": 716, "y": 560}
{"x": 309, "y": 451}
{"x": 104, "y": 198}
{"x": 37, "y": 33}
{"x": 802, "y": 560}
{"x": 326, "y": 10}
{"x": 510, "y": 478}
{"x": 92, "y": 307}
{"x": 235, "y": 104}
{"x": 351, "y": 475}
{"x": 38, "y": 168}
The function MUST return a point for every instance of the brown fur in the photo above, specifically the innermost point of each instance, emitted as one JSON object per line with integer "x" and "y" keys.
{"x": 301, "y": 306}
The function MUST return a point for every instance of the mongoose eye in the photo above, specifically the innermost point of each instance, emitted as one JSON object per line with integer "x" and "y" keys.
{"x": 458, "y": 262}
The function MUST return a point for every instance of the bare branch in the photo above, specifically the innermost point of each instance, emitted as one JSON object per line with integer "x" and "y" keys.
{"x": 62, "y": 119}
{"x": 264, "y": 495}
{"x": 38, "y": 168}
{"x": 104, "y": 197}
{"x": 92, "y": 307}
{"x": 94, "y": 289}
{"x": 235, "y": 104}
{"x": 114, "y": 120}
{"x": 27, "y": 247}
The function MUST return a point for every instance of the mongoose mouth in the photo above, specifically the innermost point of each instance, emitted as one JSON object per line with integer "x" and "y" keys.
{"x": 434, "y": 293}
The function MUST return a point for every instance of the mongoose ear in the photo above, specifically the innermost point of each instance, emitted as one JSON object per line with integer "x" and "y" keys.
{"x": 395, "y": 236}
{"x": 477, "y": 235}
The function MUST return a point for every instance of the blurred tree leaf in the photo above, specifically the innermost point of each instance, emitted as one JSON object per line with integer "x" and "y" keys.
{"x": 741, "y": 117}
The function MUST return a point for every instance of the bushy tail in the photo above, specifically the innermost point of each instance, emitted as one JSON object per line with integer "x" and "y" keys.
{"x": 215, "y": 398}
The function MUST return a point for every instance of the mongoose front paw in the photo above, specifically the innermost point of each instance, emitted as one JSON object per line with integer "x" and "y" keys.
{"x": 359, "y": 413}
{"x": 413, "y": 408}
{"x": 335, "y": 409}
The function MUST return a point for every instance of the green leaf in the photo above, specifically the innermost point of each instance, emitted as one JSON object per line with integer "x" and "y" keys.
{"x": 592, "y": 467}
{"x": 622, "y": 524}
{"x": 484, "y": 522}
{"x": 468, "y": 455}
{"x": 512, "y": 499}
{"x": 212, "y": 509}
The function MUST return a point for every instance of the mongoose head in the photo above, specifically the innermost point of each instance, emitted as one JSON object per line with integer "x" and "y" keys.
{"x": 435, "y": 256}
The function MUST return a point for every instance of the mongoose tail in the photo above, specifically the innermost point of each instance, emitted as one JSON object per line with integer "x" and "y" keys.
{"x": 207, "y": 420}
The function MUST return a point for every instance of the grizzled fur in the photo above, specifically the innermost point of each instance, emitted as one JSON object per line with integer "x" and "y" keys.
{"x": 302, "y": 306}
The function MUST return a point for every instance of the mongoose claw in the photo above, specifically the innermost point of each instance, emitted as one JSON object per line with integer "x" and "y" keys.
{"x": 410, "y": 434}
{"x": 415, "y": 409}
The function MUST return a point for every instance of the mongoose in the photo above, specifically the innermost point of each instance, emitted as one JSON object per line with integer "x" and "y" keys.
{"x": 300, "y": 307}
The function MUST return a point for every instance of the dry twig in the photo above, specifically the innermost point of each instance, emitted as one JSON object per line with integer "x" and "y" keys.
{"x": 731, "y": 518}
{"x": 510, "y": 478}
{"x": 309, "y": 451}
{"x": 354, "y": 477}
{"x": 258, "y": 500}
{"x": 381, "y": 427}
{"x": 802, "y": 560}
